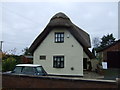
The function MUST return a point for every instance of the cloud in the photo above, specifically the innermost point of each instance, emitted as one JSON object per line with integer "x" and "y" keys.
{"x": 23, "y": 22}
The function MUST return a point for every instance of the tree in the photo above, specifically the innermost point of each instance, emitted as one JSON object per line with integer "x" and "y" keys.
{"x": 9, "y": 61}
{"x": 26, "y": 51}
{"x": 96, "y": 42}
{"x": 105, "y": 41}
{"x": 8, "y": 64}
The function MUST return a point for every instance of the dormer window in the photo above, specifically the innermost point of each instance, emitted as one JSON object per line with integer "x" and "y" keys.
{"x": 59, "y": 37}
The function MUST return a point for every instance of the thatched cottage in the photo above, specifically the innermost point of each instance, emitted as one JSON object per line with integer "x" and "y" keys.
{"x": 62, "y": 47}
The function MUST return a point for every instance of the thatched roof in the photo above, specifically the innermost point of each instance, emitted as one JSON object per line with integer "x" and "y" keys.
{"x": 61, "y": 20}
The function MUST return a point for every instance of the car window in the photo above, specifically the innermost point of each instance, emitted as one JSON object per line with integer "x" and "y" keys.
{"x": 17, "y": 70}
{"x": 39, "y": 69}
{"x": 28, "y": 70}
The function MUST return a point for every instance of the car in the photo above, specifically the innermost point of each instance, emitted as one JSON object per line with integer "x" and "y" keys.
{"x": 29, "y": 69}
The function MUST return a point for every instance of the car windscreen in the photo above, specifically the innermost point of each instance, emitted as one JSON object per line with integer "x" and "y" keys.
{"x": 39, "y": 69}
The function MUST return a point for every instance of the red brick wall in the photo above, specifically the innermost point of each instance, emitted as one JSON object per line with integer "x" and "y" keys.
{"x": 115, "y": 47}
{"x": 12, "y": 81}
{"x": 26, "y": 60}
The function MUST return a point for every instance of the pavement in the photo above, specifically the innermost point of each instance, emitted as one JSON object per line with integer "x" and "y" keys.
{"x": 88, "y": 75}
{"x": 92, "y": 75}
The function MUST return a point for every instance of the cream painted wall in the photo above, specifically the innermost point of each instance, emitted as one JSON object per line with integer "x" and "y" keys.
{"x": 73, "y": 55}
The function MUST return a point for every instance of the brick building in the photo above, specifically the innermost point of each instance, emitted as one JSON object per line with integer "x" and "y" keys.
{"x": 111, "y": 55}
{"x": 27, "y": 59}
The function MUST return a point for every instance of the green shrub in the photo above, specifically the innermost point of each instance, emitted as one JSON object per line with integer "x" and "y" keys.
{"x": 8, "y": 64}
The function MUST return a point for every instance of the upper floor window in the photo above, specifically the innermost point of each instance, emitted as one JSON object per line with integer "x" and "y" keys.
{"x": 59, "y": 37}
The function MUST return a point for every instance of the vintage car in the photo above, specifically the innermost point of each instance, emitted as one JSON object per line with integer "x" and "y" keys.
{"x": 28, "y": 69}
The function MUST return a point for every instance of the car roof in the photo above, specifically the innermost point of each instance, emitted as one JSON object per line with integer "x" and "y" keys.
{"x": 28, "y": 65}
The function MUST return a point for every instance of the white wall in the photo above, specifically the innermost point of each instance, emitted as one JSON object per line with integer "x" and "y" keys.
{"x": 73, "y": 55}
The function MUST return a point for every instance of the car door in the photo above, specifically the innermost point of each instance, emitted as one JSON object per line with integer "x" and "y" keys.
{"x": 17, "y": 70}
{"x": 29, "y": 71}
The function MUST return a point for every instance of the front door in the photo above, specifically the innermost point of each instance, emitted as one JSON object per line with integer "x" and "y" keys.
{"x": 84, "y": 63}
{"x": 113, "y": 59}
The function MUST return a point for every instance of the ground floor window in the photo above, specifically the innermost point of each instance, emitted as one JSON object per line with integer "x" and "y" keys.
{"x": 43, "y": 57}
{"x": 58, "y": 61}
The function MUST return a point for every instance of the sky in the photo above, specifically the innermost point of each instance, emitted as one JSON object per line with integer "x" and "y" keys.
{"x": 22, "y": 22}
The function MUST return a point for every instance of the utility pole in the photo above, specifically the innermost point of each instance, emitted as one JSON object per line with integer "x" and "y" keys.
{"x": 1, "y": 55}
{"x": 1, "y": 42}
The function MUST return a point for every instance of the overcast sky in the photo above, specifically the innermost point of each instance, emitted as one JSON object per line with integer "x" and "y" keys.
{"x": 22, "y": 22}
